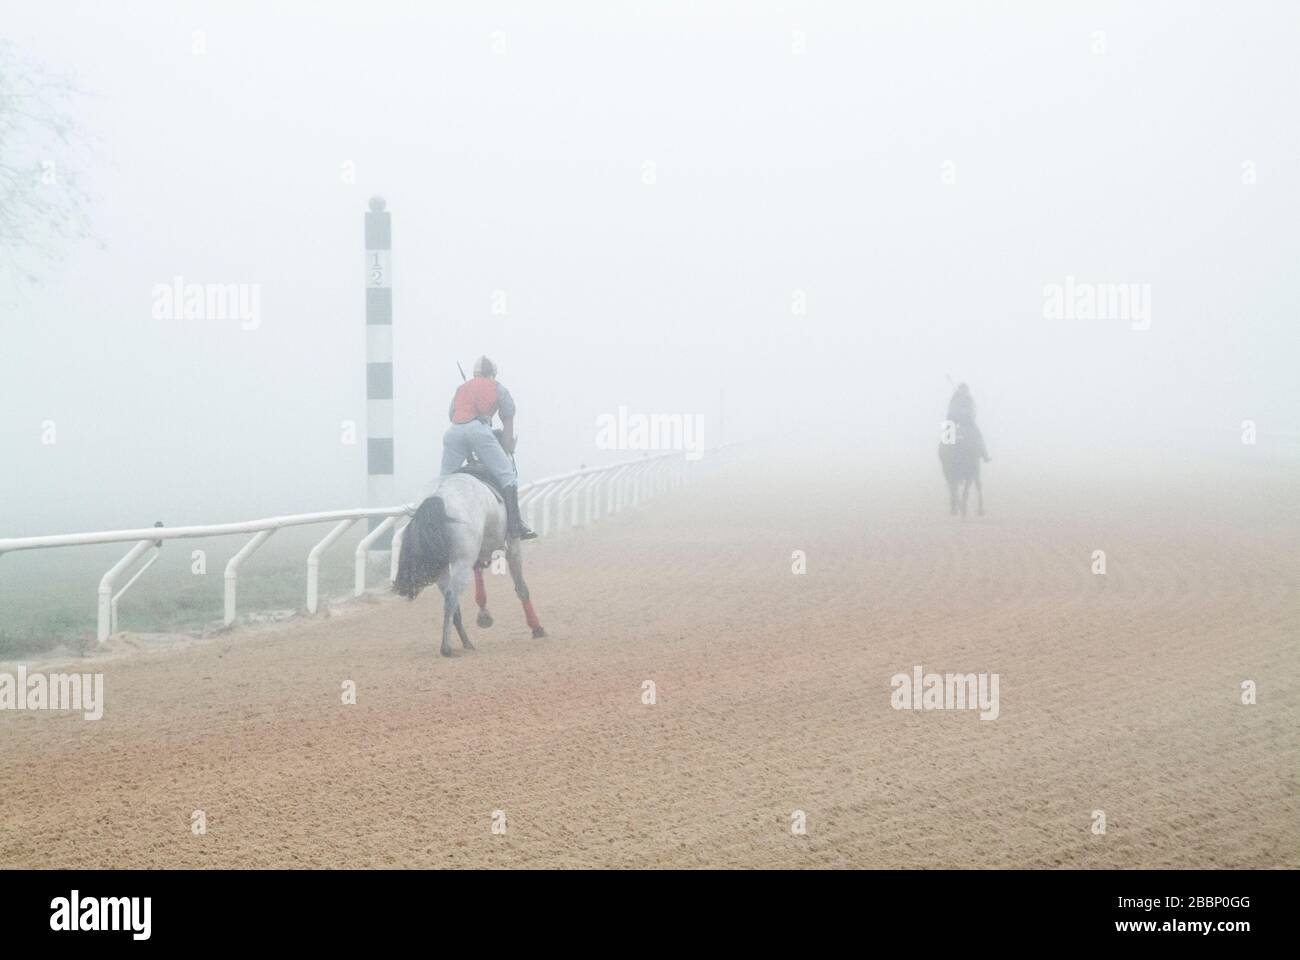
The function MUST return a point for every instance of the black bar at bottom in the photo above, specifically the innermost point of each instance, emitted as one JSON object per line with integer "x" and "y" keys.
{"x": 914, "y": 910}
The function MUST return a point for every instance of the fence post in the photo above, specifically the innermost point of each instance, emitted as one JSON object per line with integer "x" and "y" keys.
{"x": 359, "y": 562}
{"x": 105, "y": 625}
{"x": 232, "y": 572}
{"x": 313, "y": 562}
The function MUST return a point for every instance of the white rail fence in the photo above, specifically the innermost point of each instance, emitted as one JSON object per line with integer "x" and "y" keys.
{"x": 550, "y": 504}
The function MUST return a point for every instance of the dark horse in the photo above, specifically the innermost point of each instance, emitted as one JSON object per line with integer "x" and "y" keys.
{"x": 961, "y": 468}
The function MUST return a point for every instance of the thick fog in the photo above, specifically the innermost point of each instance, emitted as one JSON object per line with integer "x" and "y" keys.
{"x": 793, "y": 221}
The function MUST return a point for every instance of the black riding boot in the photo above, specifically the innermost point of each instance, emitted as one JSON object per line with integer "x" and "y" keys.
{"x": 515, "y": 528}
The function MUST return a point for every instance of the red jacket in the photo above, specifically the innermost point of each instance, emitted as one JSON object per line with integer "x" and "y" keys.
{"x": 479, "y": 399}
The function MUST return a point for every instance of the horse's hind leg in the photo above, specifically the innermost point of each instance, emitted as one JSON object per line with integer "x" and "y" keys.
{"x": 449, "y": 606}
{"x": 455, "y": 581}
{"x": 460, "y": 628}
{"x": 515, "y": 560}
{"x": 480, "y": 597}
{"x": 965, "y": 496}
{"x": 979, "y": 490}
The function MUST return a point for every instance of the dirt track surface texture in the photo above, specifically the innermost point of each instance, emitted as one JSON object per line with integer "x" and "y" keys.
{"x": 1118, "y": 693}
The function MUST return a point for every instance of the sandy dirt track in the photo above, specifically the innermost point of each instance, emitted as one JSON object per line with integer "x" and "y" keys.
{"x": 1118, "y": 693}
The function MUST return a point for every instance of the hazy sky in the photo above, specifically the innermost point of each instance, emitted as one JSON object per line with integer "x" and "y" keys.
{"x": 846, "y": 203}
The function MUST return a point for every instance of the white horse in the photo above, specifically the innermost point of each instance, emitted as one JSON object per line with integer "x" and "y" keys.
{"x": 453, "y": 535}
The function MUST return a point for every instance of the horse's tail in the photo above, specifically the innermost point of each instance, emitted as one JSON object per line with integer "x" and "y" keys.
{"x": 426, "y": 549}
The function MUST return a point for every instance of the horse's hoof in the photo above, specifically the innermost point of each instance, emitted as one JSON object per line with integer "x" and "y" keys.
{"x": 484, "y": 619}
{"x": 538, "y": 633}
{"x": 445, "y": 651}
{"x": 469, "y": 646}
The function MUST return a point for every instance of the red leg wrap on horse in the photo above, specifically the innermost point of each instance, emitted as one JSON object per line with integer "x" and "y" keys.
{"x": 531, "y": 616}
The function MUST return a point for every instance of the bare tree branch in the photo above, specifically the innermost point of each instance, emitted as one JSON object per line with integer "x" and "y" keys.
{"x": 42, "y": 208}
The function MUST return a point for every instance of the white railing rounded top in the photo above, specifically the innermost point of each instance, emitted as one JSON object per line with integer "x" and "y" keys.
{"x": 12, "y": 544}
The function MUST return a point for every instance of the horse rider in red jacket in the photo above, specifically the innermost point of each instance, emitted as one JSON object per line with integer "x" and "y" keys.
{"x": 474, "y": 404}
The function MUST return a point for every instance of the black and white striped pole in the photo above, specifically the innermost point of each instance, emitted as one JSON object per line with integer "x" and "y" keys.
{"x": 381, "y": 488}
